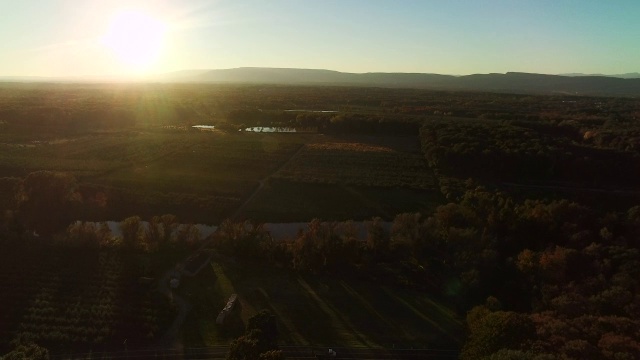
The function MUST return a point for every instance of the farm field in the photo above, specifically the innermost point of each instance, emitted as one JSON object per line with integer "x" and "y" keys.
{"x": 286, "y": 201}
{"x": 317, "y": 310}
{"x": 77, "y": 300}
{"x": 511, "y": 205}
{"x": 383, "y": 162}
{"x": 209, "y": 164}
{"x": 203, "y": 176}
{"x": 372, "y": 176}
{"x": 88, "y": 155}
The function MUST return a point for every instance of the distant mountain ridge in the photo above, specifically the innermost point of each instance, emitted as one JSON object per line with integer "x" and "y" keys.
{"x": 511, "y": 82}
{"x": 516, "y": 82}
{"x": 633, "y": 75}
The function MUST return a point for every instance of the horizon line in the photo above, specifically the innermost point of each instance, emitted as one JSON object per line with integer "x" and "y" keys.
{"x": 154, "y": 76}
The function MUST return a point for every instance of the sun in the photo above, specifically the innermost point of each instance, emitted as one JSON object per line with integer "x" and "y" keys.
{"x": 136, "y": 39}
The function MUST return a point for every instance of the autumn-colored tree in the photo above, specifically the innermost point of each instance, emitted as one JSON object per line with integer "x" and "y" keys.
{"x": 47, "y": 201}
{"x": 378, "y": 238}
{"x": 169, "y": 225}
{"x": 131, "y": 229}
{"x": 260, "y": 340}
{"x": 495, "y": 331}
{"x": 29, "y": 351}
{"x": 265, "y": 321}
{"x": 153, "y": 233}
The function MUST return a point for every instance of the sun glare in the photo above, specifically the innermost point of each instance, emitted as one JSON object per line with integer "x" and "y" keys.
{"x": 136, "y": 39}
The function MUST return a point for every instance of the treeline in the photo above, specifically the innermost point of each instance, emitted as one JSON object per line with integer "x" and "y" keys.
{"x": 34, "y": 198}
{"x": 560, "y": 279}
{"x": 94, "y": 116}
{"x": 76, "y": 107}
{"x": 85, "y": 288}
{"x": 539, "y": 279}
{"x": 42, "y": 206}
{"x": 105, "y": 202}
{"x": 82, "y": 108}
{"x": 82, "y": 286}
{"x": 527, "y": 152}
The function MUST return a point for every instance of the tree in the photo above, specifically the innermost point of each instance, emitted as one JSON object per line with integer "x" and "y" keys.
{"x": 105, "y": 237}
{"x": 495, "y": 331}
{"x": 131, "y": 232}
{"x": 378, "y": 238}
{"x": 188, "y": 235}
{"x": 12, "y": 231}
{"x": 29, "y": 351}
{"x": 243, "y": 348}
{"x": 169, "y": 225}
{"x": 153, "y": 233}
{"x": 272, "y": 355}
{"x": 47, "y": 201}
{"x": 266, "y": 323}
{"x": 8, "y": 187}
{"x": 421, "y": 235}
{"x": 82, "y": 234}
{"x": 260, "y": 340}
{"x": 305, "y": 250}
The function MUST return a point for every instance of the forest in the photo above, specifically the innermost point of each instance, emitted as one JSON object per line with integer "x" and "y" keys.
{"x": 498, "y": 226}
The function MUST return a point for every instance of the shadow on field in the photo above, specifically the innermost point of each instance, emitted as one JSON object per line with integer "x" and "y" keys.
{"x": 318, "y": 310}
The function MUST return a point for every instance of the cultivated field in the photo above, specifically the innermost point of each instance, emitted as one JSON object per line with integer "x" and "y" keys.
{"x": 383, "y": 162}
{"x": 317, "y": 310}
{"x": 205, "y": 176}
{"x": 78, "y": 300}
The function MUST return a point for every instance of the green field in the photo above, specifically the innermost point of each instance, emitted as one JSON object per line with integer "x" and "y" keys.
{"x": 317, "y": 310}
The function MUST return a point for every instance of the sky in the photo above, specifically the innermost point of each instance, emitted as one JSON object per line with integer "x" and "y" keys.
{"x": 132, "y": 38}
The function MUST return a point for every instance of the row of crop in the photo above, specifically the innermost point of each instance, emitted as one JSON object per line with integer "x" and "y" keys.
{"x": 58, "y": 336}
{"x": 360, "y": 174}
{"x": 102, "y": 304}
{"x": 71, "y": 315}
{"x": 377, "y": 166}
{"x": 87, "y": 314}
{"x": 362, "y": 181}
{"x": 19, "y": 290}
{"x": 368, "y": 173}
{"x": 88, "y": 323}
{"x": 96, "y": 318}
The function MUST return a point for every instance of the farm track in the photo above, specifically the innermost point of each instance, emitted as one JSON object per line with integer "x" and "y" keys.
{"x": 183, "y": 306}
{"x": 261, "y": 183}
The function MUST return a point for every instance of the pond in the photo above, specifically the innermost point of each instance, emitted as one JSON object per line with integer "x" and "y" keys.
{"x": 289, "y": 231}
{"x": 273, "y": 129}
{"x": 278, "y": 231}
{"x": 313, "y": 111}
{"x": 114, "y": 227}
{"x": 204, "y": 127}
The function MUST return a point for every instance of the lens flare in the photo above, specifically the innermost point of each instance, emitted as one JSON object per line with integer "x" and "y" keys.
{"x": 136, "y": 39}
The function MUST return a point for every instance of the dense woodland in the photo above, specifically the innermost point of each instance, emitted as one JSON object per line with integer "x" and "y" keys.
{"x": 531, "y": 230}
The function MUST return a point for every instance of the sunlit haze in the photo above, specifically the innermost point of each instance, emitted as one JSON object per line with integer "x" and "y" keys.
{"x": 136, "y": 39}
{"x": 62, "y": 38}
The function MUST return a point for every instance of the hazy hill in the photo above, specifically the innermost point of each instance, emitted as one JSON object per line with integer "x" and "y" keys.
{"x": 513, "y": 82}
{"x": 509, "y": 82}
{"x": 633, "y": 75}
